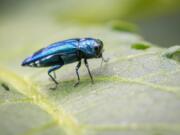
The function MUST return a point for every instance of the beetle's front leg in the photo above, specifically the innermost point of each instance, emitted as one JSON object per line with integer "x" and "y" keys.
{"x": 87, "y": 66}
{"x": 52, "y": 69}
{"x": 77, "y": 73}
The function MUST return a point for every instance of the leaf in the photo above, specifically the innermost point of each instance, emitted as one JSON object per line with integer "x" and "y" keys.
{"x": 136, "y": 92}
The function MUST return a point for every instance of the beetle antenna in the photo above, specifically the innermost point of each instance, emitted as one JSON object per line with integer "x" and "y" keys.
{"x": 104, "y": 60}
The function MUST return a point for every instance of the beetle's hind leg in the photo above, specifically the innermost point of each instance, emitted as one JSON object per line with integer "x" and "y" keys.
{"x": 87, "y": 66}
{"x": 77, "y": 73}
{"x": 52, "y": 69}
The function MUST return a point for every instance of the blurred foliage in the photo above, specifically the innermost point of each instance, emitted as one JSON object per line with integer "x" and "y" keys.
{"x": 91, "y": 11}
{"x": 98, "y": 11}
{"x": 140, "y": 46}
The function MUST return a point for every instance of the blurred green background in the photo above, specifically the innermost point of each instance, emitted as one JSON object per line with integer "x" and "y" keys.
{"x": 158, "y": 20}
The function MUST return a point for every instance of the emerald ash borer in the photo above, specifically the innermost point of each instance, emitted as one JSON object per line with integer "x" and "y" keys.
{"x": 65, "y": 52}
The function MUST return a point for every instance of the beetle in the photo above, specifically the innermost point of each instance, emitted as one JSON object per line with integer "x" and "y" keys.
{"x": 65, "y": 52}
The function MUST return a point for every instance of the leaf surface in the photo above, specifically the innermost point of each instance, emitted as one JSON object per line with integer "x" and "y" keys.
{"x": 136, "y": 92}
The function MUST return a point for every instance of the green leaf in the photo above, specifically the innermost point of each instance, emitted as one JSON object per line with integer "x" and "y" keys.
{"x": 136, "y": 92}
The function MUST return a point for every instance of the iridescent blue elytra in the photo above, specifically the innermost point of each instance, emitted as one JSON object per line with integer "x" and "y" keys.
{"x": 64, "y": 52}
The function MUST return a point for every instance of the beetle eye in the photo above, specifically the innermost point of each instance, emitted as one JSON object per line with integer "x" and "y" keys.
{"x": 96, "y": 49}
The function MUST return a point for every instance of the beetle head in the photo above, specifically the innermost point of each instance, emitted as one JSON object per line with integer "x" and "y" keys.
{"x": 98, "y": 47}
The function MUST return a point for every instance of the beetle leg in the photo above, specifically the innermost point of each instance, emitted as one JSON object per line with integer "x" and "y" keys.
{"x": 104, "y": 60}
{"x": 49, "y": 73}
{"x": 87, "y": 66}
{"x": 77, "y": 73}
{"x": 54, "y": 74}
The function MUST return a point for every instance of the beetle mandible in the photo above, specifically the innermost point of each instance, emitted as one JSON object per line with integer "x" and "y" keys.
{"x": 64, "y": 52}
